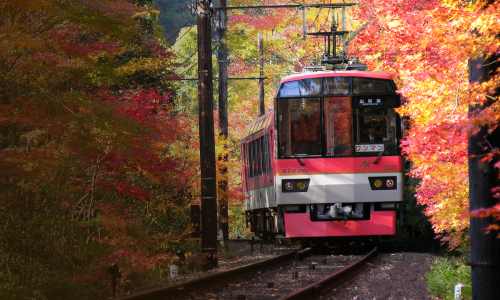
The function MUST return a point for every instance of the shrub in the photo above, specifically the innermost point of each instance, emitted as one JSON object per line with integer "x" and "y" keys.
{"x": 445, "y": 274}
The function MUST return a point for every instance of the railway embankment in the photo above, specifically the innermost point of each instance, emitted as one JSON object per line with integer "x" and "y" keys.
{"x": 395, "y": 275}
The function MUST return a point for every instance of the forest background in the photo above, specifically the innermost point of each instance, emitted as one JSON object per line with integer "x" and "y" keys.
{"x": 98, "y": 137}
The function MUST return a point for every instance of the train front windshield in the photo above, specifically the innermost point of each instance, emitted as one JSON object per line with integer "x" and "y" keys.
{"x": 337, "y": 117}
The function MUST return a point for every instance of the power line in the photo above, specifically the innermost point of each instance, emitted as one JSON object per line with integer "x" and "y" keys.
{"x": 181, "y": 28}
{"x": 189, "y": 58}
{"x": 184, "y": 32}
{"x": 188, "y": 69}
{"x": 318, "y": 5}
{"x": 193, "y": 55}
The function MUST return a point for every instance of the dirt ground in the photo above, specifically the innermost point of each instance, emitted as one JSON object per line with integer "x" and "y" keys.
{"x": 390, "y": 276}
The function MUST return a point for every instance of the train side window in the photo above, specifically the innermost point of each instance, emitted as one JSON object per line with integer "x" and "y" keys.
{"x": 271, "y": 153}
{"x": 255, "y": 158}
{"x": 267, "y": 152}
{"x": 338, "y": 124}
{"x": 263, "y": 154}
{"x": 259, "y": 156}
{"x": 252, "y": 159}
{"x": 245, "y": 159}
{"x": 249, "y": 153}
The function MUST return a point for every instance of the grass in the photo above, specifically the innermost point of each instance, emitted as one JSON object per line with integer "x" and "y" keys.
{"x": 445, "y": 274}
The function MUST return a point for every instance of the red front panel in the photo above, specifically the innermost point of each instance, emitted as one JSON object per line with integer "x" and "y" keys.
{"x": 330, "y": 165}
{"x": 300, "y": 225}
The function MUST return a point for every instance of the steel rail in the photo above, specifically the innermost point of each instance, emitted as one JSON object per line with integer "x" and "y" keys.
{"x": 326, "y": 284}
{"x": 278, "y": 240}
{"x": 316, "y": 5}
{"x": 176, "y": 289}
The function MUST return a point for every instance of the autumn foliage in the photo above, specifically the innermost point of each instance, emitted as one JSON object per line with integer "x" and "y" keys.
{"x": 426, "y": 46}
{"x": 98, "y": 144}
{"x": 96, "y": 168}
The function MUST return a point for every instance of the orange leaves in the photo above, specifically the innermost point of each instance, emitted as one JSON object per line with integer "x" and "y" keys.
{"x": 433, "y": 79}
{"x": 428, "y": 49}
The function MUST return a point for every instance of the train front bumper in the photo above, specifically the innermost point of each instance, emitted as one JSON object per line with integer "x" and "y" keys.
{"x": 300, "y": 225}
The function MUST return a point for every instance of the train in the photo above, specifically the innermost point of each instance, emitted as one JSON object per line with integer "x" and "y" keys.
{"x": 325, "y": 162}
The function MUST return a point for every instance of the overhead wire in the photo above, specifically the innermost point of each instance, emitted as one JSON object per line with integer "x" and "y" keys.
{"x": 296, "y": 40}
{"x": 187, "y": 70}
{"x": 181, "y": 28}
{"x": 185, "y": 32}
{"x": 193, "y": 55}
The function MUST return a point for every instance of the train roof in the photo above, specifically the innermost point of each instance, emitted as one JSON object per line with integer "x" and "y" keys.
{"x": 368, "y": 74}
{"x": 250, "y": 129}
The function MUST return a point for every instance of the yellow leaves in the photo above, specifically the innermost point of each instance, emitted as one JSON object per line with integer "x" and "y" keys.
{"x": 394, "y": 24}
{"x": 140, "y": 64}
{"x": 148, "y": 14}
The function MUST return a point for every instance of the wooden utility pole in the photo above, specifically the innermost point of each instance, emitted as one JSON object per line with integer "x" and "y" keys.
{"x": 223, "y": 124}
{"x": 207, "y": 143}
{"x": 484, "y": 248}
{"x": 262, "y": 109}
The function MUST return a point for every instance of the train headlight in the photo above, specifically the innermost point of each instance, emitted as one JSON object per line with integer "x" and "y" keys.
{"x": 300, "y": 185}
{"x": 381, "y": 183}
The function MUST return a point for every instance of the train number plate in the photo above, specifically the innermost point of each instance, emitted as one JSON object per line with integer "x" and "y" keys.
{"x": 369, "y": 148}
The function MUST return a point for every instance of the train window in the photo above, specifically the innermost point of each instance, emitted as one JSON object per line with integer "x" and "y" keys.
{"x": 376, "y": 130}
{"x": 252, "y": 158}
{"x": 259, "y": 156}
{"x": 247, "y": 162}
{"x": 256, "y": 158}
{"x": 271, "y": 151}
{"x": 338, "y": 120}
{"x": 299, "y": 127}
{"x": 249, "y": 159}
{"x": 371, "y": 86}
{"x": 337, "y": 86}
{"x": 264, "y": 155}
{"x": 264, "y": 167}
{"x": 242, "y": 155}
{"x": 268, "y": 153}
{"x": 298, "y": 88}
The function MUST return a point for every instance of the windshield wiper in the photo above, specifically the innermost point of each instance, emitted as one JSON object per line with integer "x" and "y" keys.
{"x": 382, "y": 151}
{"x": 283, "y": 136}
{"x": 297, "y": 157}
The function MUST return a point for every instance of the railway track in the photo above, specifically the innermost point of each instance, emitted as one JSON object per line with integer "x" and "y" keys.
{"x": 299, "y": 274}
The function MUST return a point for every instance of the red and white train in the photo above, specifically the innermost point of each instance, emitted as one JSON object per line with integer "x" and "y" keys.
{"x": 325, "y": 162}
